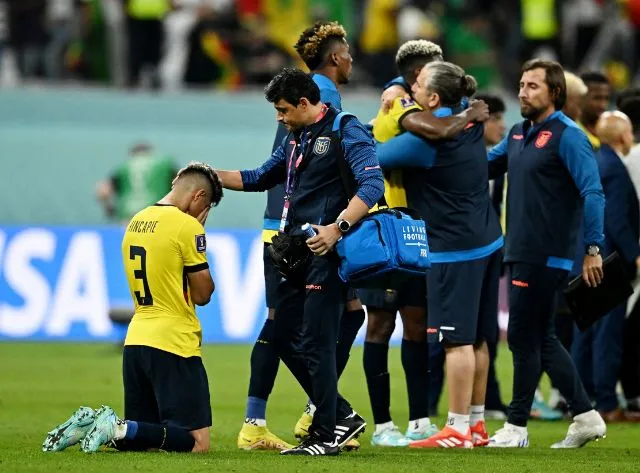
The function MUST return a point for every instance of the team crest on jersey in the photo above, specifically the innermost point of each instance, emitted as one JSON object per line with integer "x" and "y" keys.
{"x": 201, "y": 243}
{"x": 543, "y": 138}
{"x": 321, "y": 145}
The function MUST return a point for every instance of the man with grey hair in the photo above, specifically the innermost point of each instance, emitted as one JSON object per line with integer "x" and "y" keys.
{"x": 410, "y": 299}
{"x": 629, "y": 103}
{"x": 448, "y": 186}
{"x": 597, "y": 351}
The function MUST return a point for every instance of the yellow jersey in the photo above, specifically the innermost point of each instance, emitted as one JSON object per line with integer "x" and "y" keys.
{"x": 386, "y": 126}
{"x": 160, "y": 247}
{"x": 593, "y": 139}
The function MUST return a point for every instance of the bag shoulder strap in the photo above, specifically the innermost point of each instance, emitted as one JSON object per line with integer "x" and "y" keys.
{"x": 346, "y": 176}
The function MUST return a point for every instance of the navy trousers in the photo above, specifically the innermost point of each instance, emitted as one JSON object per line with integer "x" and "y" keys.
{"x": 305, "y": 332}
{"x": 534, "y": 344}
{"x": 597, "y": 353}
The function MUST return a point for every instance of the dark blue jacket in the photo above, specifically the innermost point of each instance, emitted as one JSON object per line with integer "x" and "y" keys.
{"x": 275, "y": 196}
{"x": 318, "y": 194}
{"x": 449, "y": 187}
{"x": 553, "y": 179}
{"x": 621, "y": 213}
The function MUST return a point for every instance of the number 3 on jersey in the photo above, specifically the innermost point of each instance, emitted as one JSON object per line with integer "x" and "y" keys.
{"x": 147, "y": 298}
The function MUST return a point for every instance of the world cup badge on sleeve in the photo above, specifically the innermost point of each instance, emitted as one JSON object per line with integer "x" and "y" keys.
{"x": 201, "y": 243}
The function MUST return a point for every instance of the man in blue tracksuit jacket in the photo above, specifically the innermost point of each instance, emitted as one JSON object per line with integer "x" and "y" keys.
{"x": 324, "y": 49}
{"x": 597, "y": 352}
{"x": 311, "y": 295}
{"x": 552, "y": 177}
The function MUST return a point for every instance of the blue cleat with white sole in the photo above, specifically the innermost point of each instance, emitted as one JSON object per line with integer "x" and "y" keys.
{"x": 391, "y": 437}
{"x": 72, "y": 431}
{"x": 540, "y": 411}
{"x": 422, "y": 433}
{"x": 103, "y": 430}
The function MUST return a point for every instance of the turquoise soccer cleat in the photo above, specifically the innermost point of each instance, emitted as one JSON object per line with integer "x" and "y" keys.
{"x": 389, "y": 438}
{"x": 540, "y": 411}
{"x": 422, "y": 434}
{"x": 69, "y": 433}
{"x": 102, "y": 431}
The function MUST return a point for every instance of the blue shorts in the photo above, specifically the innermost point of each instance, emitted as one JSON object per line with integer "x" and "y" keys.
{"x": 463, "y": 301}
{"x": 412, "y": 294}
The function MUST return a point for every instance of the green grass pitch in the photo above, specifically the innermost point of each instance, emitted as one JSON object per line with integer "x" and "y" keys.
{"x": 42, "y": 384}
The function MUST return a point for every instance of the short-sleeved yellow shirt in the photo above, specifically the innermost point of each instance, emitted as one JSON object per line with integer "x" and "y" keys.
{"x": 160, "y": 247}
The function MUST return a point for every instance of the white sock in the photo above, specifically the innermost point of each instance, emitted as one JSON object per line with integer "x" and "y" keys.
{"x": 386, "y": 426}
{"x": 254, "y": 421}
{"x": 477, "y": 414}
{"x": 310, "y": 409}
{"x": 121, "y": 430}
{"x": 419, "y": 425}
{"x": 458, "y": 422}
{"x": 538, "y": 396}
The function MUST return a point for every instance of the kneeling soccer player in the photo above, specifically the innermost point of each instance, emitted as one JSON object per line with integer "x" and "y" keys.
{"x": 166, "y": 390}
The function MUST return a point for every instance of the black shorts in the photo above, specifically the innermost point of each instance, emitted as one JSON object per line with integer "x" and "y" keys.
{"x": 463, "y": 300}
{"x": 413, "y": 293}
{"x": 164, "y": 388}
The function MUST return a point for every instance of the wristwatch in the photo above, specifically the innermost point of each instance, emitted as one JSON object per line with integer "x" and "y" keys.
{"x": 343, "y": 225}
{"x": 593, "y": 250}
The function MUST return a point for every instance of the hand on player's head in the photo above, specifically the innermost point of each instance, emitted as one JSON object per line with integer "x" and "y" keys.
{"x": 200, "y": 188}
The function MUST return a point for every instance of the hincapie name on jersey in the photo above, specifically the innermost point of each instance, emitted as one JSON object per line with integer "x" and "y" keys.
{"x": 142, "y": 226}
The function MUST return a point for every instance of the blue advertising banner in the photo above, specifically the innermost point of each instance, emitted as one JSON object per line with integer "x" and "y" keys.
{"x": 60, "y": 283}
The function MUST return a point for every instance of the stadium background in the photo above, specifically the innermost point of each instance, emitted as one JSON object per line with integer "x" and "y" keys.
{"x": 64, "y": 129}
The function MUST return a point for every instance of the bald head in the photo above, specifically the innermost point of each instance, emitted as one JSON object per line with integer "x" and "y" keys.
{"x": 614, "y": 129}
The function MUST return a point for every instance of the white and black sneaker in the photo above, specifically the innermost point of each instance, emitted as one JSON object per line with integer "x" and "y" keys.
{"x": 349, "y": 428}
{"x": 314, "y": 447}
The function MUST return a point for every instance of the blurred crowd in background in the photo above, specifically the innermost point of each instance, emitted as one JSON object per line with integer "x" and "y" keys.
{"x": 172, "y": 44}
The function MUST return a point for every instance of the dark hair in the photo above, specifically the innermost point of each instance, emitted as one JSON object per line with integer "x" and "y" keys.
{"x": 495, "y": 103}
{"x": 203, "y": 169}
{"x": 450, "y": 82}
{"x": 627, "y": 93}
{"x": 291, "y": 85}
{"x": 316, "y": 42}
{"x": 553, "y": 77}
{"x": 414, "y": 54}
{"x": 631, "y": 108}
{"x": 594, "y": 77}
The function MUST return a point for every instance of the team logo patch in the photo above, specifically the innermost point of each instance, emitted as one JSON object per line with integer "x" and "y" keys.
{"x": 543, "y": 138}
{"x": 407, "y": 102}
{"x": 321, "y": 145}
{"x": 201, "y": 243}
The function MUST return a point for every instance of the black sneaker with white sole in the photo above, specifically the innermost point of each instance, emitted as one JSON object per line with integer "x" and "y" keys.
{"x": 314, "y": 447}
{"x": 349, "y": 428}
